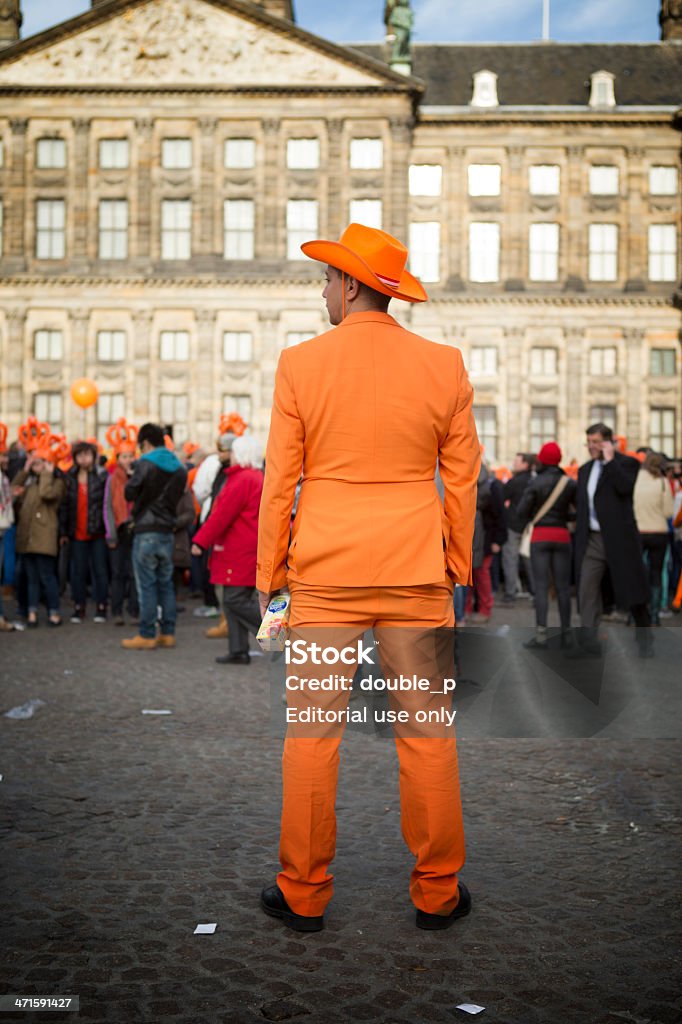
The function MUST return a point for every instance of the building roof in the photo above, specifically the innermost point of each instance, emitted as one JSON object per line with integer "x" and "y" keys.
{"x": 545, "y": 74}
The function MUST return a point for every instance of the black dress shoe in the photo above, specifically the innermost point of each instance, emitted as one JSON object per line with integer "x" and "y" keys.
{"x": 273, "y": 903}
{"x": 242, "y": 658}
{"x": 436, "y": 922}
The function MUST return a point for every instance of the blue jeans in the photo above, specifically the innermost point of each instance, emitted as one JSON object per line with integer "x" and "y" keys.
{"x": 153, "y": 568}
{"x": 92, "y": 554}
{"x": 41, "y": 571}
{"x": 460, "y": 601}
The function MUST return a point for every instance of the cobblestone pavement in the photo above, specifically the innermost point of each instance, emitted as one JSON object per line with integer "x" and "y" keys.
{"x": 122, "y": 831}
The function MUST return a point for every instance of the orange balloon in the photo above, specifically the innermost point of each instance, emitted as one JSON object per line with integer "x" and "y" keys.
{"x": 84, "y": 392}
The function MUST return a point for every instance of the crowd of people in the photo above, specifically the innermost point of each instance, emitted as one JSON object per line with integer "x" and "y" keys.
{"x": 127, "y": 529}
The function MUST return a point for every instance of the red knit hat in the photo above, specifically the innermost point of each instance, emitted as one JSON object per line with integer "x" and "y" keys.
{"x": 550, "y": 454}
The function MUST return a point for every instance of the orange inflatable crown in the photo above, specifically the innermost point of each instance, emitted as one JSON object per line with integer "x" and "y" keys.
{"x": 3, "y": 437}
{"x": 231, "y": 423}
{"x": 122, "y": 437}
{"x": 33, "y": 433}
{"x": 54, "y": 448}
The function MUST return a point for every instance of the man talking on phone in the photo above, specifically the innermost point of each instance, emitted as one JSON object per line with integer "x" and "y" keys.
{"x": 607, "y": 539}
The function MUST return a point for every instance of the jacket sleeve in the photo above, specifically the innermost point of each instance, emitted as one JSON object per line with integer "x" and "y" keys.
{"x": 525, "y": 510}
{"x": 621, "y": 473}
{"x": 185, "y": 513}
{"x": 50, "y": 487}
{"x": 134, "y": 486}
{"x": 108, "y": 512}
{"x": 225, "y": 511}
{"x": 283, "y": 467}
{"x": 459, "y": 458}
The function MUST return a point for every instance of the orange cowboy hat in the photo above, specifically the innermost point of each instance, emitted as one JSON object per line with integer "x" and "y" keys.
{"x": 122, "y": 437}
{"x": 373, "y": 257}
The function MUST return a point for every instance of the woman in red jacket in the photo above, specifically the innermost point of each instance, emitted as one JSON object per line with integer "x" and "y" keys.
{"x": 231, "y": 531}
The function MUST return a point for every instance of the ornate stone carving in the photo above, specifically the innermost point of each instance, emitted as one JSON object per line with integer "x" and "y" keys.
{"x": 19, "y": 125}
{"x": 182, "y": 43}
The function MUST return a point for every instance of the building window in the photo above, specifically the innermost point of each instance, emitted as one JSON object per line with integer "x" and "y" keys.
{"x": 174, "y": 415}
{"x": 174, "y": 346}
{"x": 113, "y": 229}
{"x": 663, "y": 362}
{"x": 485, "y": 89}
{"x": 601, "y": 89}
{"x": 50, "y": 229}
{"x": 176, "y": 154}
{"x": 47, "y": 407}
{"x": 238, "y": 403}
{"x": 176, "y": 229}
{"x": 425, "y": 250}
{"x": 48, "y": 345}
{"x": 111, "y": 346}
{"x": 603, "y": 180}
{"x": 237, "y": 346}
{"x": 543, "y": 362}
{"x": 603, "y": 362}
{"x": 543, "y": 252}
{"x": 366, "y": 211}
{"x": 542, "y": 426}
{"x": 425, "y": 179}
{"x": 366, "y": 154}
{"x": 239, "y": 154}
{"x": 605, "y": 414}
{"x": 486, "y": 428}
{"x": 50, "y": 154}
{"x": 296, "y": 337}
{"x": 110, "y": 408}
{"x": 662, "y": 430}
{"x": 483, "y": 361}
{"x": 484, "y": 179}
{"x": 484, "y": 252}
{"x": 239, "y": 215}
{"x": 663, "y": 181}
{"x": 544, "y": 179}
{"x": 603, "y": 242}
{"x": 301, "y": 225}
{"x": 303, "y": 154}
{"x": 662, "y": 252}
{"x": 114, "y": 154}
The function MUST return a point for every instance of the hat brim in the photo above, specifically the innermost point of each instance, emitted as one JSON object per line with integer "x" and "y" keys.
{"x": 409, "y": 289}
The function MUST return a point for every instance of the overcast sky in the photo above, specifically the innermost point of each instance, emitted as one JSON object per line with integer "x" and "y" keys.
{"x": 440, "y": 20}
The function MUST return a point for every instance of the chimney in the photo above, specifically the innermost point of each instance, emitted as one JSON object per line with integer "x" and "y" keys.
{"x": 670, "y": 19}
{"x": 10, "y": 22}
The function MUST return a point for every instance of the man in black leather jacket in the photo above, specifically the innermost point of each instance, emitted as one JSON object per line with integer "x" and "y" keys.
{"x": 155, "y": 488}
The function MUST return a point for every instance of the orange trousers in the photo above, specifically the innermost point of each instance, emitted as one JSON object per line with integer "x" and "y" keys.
{"x": 413, "y": 629}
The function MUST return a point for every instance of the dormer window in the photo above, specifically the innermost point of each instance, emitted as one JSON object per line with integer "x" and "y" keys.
{"x": 485, "y": 89}
{"x": 601, "y": 89}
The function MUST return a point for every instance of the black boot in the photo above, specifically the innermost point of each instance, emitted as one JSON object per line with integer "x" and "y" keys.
{"x": 655, "y": 606}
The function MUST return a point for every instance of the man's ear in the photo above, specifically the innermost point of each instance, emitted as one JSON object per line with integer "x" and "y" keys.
{"x": 352, "y": 287}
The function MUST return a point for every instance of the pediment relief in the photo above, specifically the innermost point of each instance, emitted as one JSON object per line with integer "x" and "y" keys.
{"x": 185, "y": 43}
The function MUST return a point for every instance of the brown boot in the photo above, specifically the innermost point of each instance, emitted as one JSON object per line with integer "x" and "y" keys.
{"x": 139, "y": 643}
{"x": 219, "y": 632}
{"x": 165, "y": 640}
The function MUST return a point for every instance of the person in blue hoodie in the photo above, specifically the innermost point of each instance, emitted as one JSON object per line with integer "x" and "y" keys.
{"x": 155, "y": 488}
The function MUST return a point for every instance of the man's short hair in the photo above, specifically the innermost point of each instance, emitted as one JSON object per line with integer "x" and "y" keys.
{"x": 378, "y": 299}
{"x": 604, "y": 432}
{"x": 152, "y": 433}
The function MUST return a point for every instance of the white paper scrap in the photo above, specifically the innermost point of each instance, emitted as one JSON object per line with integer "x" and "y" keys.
{"x": 153, "y": 711}
{"x": 25, "y": 710}
{"x": 257, "y": 654}
{"x": 205, "y": 929}
{"x": 470, "y": 1008}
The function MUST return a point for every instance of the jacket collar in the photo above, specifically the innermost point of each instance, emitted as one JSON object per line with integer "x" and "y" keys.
{"x": 369, "y": 316}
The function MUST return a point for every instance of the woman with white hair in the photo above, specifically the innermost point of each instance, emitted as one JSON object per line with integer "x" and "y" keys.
{"x": 231, "y": 532}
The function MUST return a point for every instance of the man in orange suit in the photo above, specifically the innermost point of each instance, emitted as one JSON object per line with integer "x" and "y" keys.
{"x": 366, "y": 412}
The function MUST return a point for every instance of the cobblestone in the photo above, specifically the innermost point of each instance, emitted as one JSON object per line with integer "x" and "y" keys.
{"x": 120, "y": 832}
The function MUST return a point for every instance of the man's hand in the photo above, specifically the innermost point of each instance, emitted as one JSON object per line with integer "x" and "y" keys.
{"x": 197, "y": 551}
{"x": 112, "y": 545}
{"x": 63, "y": 541}
{"x": 263, "y": 601}
{"x": 495, "y": 548}
{"x": 18, "y": 490}
{"x": 608, "y": 450}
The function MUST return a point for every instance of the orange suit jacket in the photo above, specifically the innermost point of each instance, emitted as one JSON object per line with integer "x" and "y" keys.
{"x": 365, "y": 412}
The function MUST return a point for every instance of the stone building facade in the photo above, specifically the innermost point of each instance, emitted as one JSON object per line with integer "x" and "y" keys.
{"x": 161, "y": 161}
